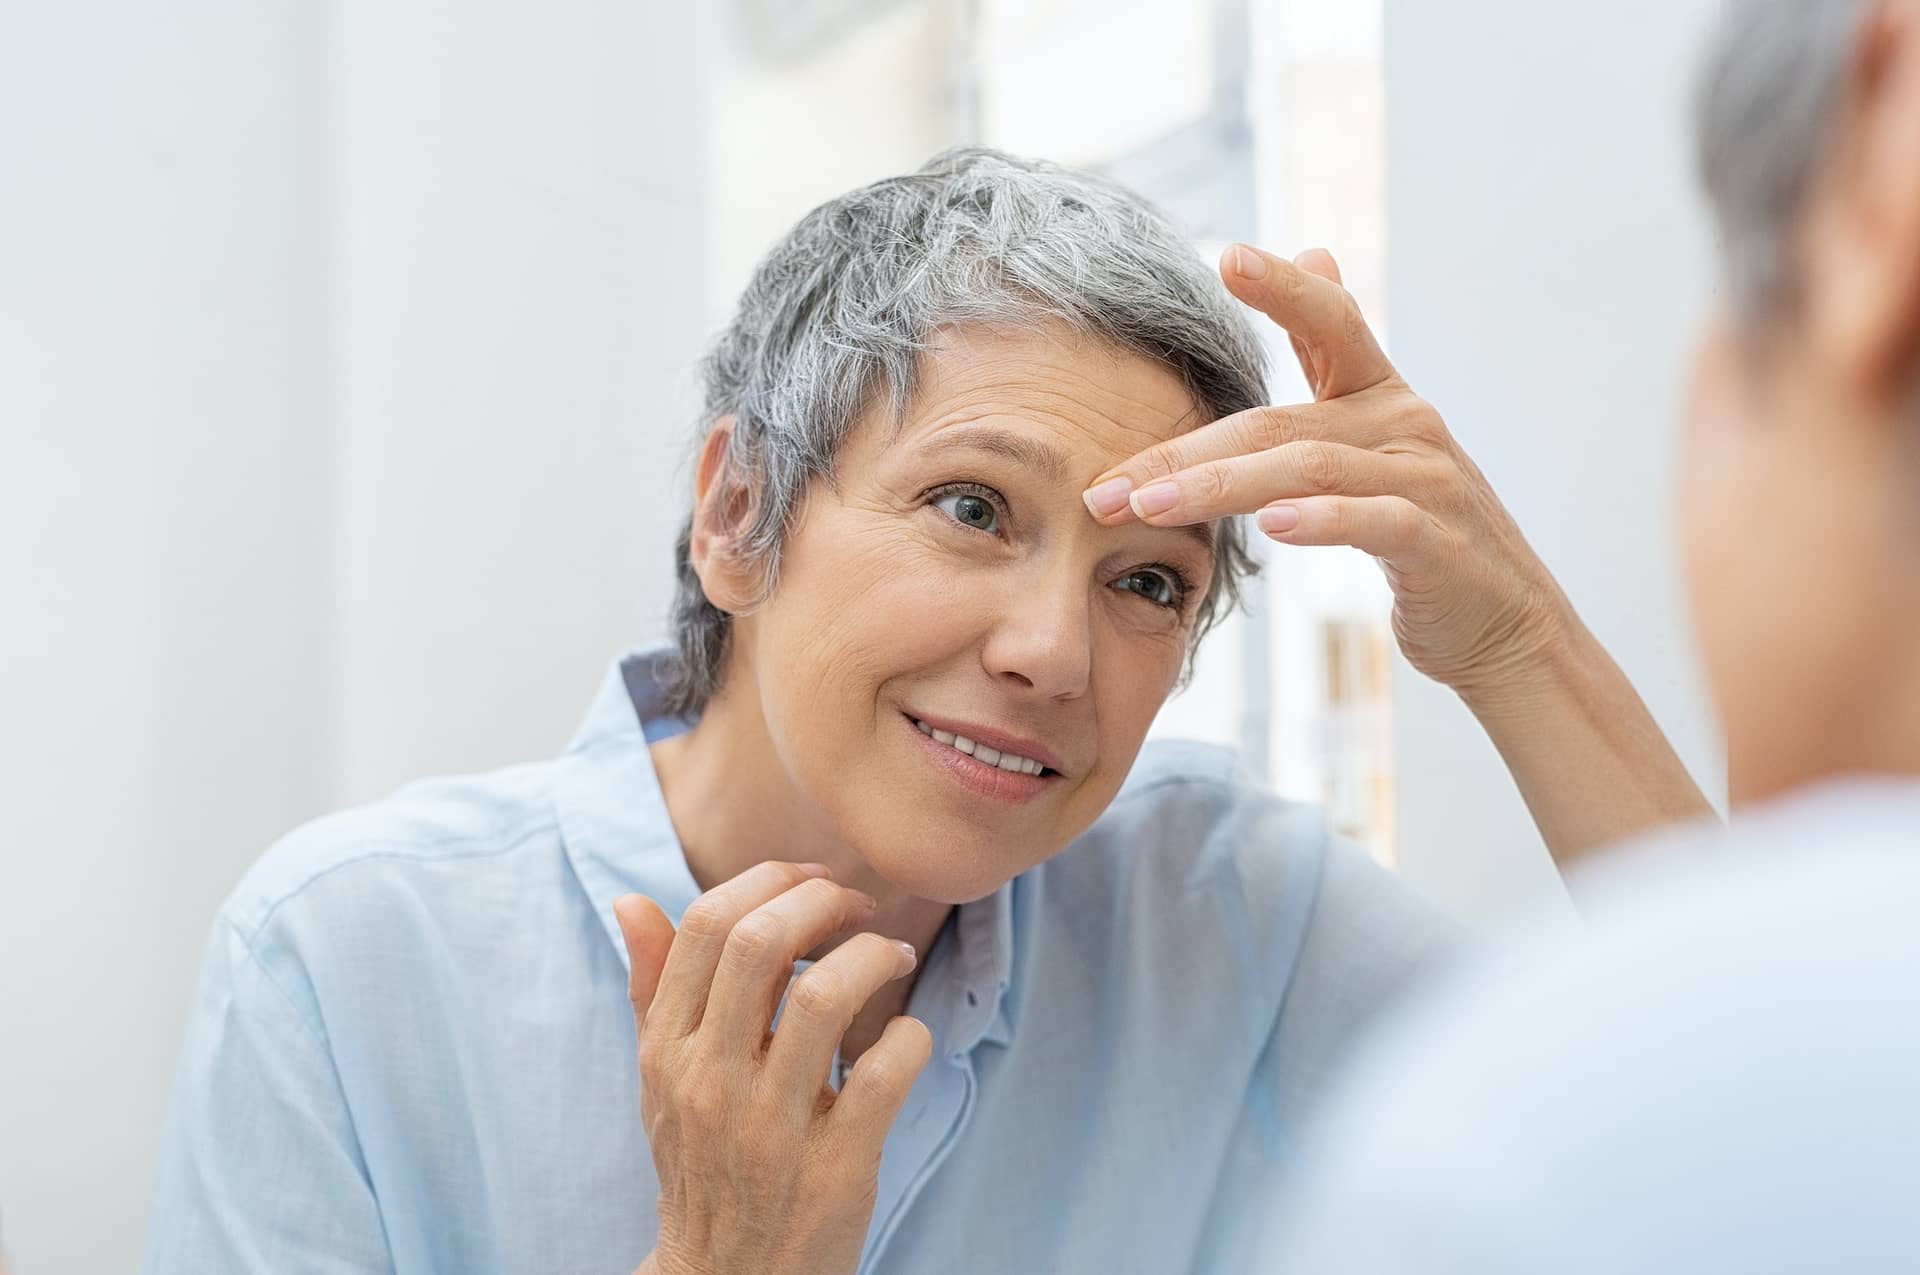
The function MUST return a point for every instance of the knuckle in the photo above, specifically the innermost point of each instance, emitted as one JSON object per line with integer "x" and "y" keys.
{"x": 1318, "y": 466}
{"x": 1161, "y": 462}
{"x": 700, "y": 1104}
{"x": 884, "y": 1076}
{"x": 1211, "y": 483}
{"x": 1289, "y": 280}
{"x": 1273, "y": 427}
{"x": 706, "y": 919}
{"x": 1403, "y": 519}
{"x": 817, "y": 994}
{"x": 756, "y": 940}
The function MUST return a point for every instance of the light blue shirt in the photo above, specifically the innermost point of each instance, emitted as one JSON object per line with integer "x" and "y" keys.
{"x": 1719, "y": 1072}
{"x": 412, "y": 1050}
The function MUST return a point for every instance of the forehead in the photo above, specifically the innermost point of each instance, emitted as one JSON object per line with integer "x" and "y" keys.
{"x": 1091, "y": 404}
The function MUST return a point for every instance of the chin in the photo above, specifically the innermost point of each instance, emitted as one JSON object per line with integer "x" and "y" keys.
{"x": 949, "y": 870}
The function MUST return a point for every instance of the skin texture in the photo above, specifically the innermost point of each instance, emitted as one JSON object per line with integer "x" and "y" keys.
{"x": 1801, "y": 488}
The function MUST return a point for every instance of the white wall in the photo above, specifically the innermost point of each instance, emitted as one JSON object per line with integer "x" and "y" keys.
{"x": 1546, "y": 260}
{"x": 342, "y": 353}
{"x": 522, "y": 229}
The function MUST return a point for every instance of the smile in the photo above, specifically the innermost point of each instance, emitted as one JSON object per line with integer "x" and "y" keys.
{"x": 1011, "y": 762}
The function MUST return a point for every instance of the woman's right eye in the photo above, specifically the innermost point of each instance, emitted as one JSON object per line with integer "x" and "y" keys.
{"x": 969, "y": 509}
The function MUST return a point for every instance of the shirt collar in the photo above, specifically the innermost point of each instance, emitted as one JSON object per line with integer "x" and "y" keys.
{"x": 620, "y": 840}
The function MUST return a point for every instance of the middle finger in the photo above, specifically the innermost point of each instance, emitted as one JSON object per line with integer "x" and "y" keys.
{"x": 759, "y": 955}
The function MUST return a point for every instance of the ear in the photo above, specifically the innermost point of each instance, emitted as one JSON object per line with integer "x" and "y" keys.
{"x": 723, "y": 511}
{"x": 1863, "y": 249}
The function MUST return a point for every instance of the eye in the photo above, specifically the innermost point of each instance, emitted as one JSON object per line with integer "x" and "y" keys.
{"x": 1162, "y": 586}
{"x": 970, "y": 506}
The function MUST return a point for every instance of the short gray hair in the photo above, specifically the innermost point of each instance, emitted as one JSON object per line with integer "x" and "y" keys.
{"x": 842, "y": 308}
{"x": 1768, "y": 101}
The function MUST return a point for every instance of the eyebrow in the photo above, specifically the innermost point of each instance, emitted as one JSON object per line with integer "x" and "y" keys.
{"x": 1029, "y": 453}
{"x": 1032, "y": 453}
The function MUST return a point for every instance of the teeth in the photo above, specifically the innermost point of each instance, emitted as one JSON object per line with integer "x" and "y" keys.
{"x": 1010, "y": 762}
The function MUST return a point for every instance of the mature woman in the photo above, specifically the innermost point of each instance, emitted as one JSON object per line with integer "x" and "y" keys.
{"x": 959, "y": 522}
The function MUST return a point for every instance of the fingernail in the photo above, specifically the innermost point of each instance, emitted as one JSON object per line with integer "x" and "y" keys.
{"x": 864, "y": 899}
{"x": 1248, "y": 264}
{"x": 1155, "y": 498}
{"x": 814, "y": 869}
{"x": 906, "y": 949}
{"x": 1109, "y": 498}
{"x": 1278, "y": 520}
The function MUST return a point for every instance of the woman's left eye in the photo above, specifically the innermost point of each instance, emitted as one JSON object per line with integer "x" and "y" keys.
{"x": 970, "y": 509}
{"x": 1153, "y": 584}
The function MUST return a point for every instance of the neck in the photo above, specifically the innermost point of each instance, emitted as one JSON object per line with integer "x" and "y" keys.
{"x": 733, "y": 805}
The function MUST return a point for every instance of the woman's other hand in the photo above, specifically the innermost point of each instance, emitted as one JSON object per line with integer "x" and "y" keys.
{"x": 762, "y": 1166}
{"x": 1369, "y": 464}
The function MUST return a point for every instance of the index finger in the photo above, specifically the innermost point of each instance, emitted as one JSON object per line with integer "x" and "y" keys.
{"x": 1257, "y": 429}
{"x": 1316, "y": 311}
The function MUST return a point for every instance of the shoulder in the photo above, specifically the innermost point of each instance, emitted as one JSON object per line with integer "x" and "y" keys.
{"x": 425, "y": 835}
{"x": 1754, "y": 967}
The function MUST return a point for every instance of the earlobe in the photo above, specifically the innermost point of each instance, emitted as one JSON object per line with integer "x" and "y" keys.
{"x": 723, "y": 510}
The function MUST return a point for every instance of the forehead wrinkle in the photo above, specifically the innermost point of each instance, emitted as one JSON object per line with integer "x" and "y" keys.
{"x": 973, "y": 434}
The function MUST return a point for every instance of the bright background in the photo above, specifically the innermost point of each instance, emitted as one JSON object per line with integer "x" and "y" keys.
{"x": 345, "y": 381}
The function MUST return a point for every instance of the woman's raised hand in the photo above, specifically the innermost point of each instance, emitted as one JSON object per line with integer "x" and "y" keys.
{"x": 1368, "y": 464}
{"x": 762, "y": 1166}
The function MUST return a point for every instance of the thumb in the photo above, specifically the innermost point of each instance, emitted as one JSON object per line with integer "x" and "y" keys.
{"x": 649, "y": 937}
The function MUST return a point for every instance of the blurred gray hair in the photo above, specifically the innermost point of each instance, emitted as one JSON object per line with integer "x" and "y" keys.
{"x": 842, "y": 308}
{"x": 1768, "y": 101}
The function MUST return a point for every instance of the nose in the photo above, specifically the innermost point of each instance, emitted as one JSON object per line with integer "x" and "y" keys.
{"x": 1042, "y": 640}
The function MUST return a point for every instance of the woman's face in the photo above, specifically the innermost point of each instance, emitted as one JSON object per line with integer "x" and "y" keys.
{"x": 951, "y": 580}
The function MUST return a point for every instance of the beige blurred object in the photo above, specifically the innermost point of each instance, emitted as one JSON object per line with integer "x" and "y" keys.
{"x": 1359, "y": 780}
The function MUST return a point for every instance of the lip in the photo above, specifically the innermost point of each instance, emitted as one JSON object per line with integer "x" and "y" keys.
{"x": 1005, "y": 787}
{"x": 998, "y": 740}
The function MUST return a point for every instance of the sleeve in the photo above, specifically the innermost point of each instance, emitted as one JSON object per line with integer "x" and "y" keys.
{"x": 260, "y": 1169}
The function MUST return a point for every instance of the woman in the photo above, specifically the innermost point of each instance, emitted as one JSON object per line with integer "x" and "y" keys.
{"x": 957, "y": 528}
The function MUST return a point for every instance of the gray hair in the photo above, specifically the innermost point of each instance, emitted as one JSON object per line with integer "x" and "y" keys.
{"x": 1768, "y": 101}
{"x": 844, "y": 305}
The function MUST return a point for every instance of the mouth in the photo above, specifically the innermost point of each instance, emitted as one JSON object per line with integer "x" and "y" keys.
{"x": 982, "y": 767}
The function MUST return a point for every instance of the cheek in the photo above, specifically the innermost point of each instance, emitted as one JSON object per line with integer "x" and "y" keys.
{"x": 862, "y": 599}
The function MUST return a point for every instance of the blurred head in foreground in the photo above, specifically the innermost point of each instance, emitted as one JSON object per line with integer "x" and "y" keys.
{"x": 1802, "y": 482}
